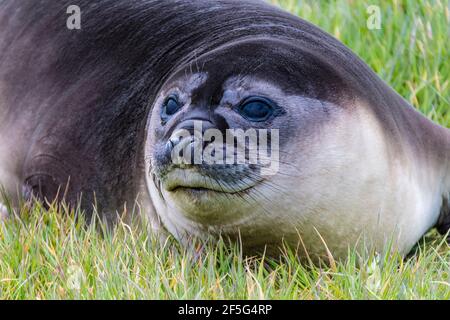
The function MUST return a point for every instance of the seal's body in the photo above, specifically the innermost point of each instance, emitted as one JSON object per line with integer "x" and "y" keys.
{"x": 89, "y": 114}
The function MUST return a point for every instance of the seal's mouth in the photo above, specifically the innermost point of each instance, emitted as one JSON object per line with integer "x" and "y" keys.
{"x": 194, "y": 181}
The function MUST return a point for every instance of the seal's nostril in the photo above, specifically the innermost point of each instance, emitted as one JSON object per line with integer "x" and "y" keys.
{"x": 177, "y": 136}
{"x": 169, "y": 146}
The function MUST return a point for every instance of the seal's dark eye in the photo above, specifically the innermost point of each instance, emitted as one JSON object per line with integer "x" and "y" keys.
{"x": 171, "y": 105}
{"x": 257, "y": 109}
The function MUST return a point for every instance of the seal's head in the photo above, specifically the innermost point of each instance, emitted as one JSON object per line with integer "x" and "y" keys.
{"x": 233, "y": 142}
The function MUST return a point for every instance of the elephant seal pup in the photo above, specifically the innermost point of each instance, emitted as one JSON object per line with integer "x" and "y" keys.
{"x": 94, "y": 116}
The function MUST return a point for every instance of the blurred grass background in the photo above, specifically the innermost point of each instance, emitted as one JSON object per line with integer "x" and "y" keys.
{"x": 49, "y": 255}
{"x": 411, "y": 51}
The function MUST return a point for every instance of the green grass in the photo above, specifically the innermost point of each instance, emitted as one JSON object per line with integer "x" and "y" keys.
{"x": 49, "y": 255}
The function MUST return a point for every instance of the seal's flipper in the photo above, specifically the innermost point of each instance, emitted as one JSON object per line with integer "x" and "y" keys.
{"x": 42, "y": 187}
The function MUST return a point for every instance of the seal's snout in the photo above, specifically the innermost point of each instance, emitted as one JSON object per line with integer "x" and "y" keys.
{"x": 200, "y": 124}
{"x": 173, "y": 141}
{"x": 183, "y": 146}
{"x": 187, "y": 142}
{"x": 193, "y": 159}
